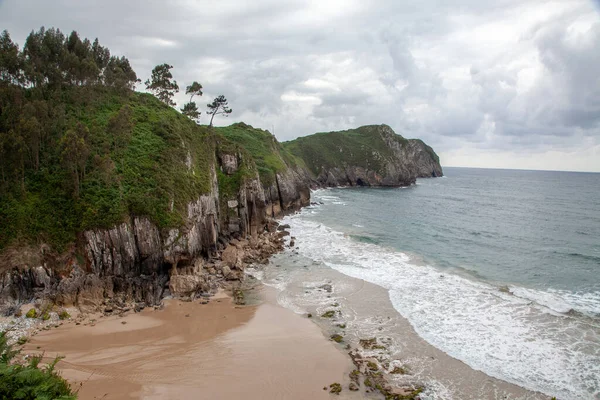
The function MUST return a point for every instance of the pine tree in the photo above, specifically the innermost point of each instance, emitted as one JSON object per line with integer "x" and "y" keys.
{"x": 162, "y": 84}
{"x": 218, "y": 106}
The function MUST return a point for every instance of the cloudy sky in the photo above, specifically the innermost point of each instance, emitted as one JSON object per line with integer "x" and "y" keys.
{"x": 505, "y": 83}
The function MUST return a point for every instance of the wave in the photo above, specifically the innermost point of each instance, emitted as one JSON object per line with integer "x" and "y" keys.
{"x": 365, "y": 239}
{"x": 527, "y": 337}
{"x": 586, "y": 257}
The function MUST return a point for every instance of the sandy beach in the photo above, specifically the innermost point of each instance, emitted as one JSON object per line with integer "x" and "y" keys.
{"x": 190, "y": 350}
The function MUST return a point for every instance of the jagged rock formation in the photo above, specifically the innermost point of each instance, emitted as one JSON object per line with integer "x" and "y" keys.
{"x": 367, "y": 156}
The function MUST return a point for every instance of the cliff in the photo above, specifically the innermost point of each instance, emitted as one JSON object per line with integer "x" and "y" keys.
{"x": 158, "y": 205}
{"x": 371, "y": 155}
{"x": 111, "y": 197}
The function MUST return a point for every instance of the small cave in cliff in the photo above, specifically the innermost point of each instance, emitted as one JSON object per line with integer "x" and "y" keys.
{"x": 180, "y": 265}
{"x": 360, "y": 182}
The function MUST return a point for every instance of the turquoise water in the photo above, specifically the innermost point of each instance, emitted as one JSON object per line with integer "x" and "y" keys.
{"x": 498, "y": 268}
{"x": 535, "y": 228}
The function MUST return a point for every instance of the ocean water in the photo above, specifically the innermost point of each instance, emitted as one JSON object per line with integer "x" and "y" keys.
{"x": 499, "y": 269}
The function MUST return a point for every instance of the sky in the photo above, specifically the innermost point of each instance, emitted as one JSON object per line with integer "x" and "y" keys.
{"x": 500, "y": 84}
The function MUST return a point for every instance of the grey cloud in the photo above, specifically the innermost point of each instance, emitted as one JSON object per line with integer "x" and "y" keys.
{"x": 448, "y": 72}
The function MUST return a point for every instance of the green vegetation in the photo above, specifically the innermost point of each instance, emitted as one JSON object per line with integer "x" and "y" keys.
{"x": 268, "y": 154}
{"x": 190, "y": 109}
{"x": 161, "y": 83}
{"x": 30, "y": 382}
{"x": 362, "y": 147}
{"x": 337, "y": 338}
{"x": 335, "y": 388}
{"x": 32, "y": 313}
{"x": 64, "y": 315}
{"x": 372, "y": 366}
{"x": 79, "y": 149}
{"x": 328, "y": 314}
{"x": 219, "y": 106}
{"x": 399, "y": 371}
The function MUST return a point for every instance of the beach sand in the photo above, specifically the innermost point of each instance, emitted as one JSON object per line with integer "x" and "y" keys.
{"x": 190, "y": 350}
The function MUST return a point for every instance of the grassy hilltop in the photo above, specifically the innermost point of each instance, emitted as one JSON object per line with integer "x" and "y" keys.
{"x": 350, "y": 147}
{"x": 375, "y": 152}
{"x": 268, "y": 154}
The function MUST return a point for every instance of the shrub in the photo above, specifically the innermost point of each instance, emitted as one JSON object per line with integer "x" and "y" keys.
{"x": 30, "y": 382}
{"x": 32, "y": 313}
{"x": 64, "y": 315}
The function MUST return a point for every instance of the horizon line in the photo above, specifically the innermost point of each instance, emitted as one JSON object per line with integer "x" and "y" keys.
{"x": 522, "y": 169}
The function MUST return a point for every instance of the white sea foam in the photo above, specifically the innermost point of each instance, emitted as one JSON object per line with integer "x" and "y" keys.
{"x": 562, "y": 301}
{"x": 522, "y": 338}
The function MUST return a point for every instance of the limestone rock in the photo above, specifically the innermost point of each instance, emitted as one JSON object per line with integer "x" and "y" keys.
{"x": 185, "y": 285}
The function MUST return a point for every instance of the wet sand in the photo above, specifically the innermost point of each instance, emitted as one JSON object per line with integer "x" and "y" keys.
{"x": 193, "y": 351}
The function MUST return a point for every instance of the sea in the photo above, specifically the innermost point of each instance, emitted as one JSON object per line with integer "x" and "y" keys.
{"x": 498, "y": 269}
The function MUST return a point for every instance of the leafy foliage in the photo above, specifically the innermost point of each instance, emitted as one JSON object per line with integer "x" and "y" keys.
{"x": 30, "y": 382}
{"x": 190, "y": 110}
{"x": 161, "y": 83}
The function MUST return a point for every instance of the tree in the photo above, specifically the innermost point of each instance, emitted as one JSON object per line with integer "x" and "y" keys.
{"x": 120, "y": 127}
{"x": 218, "y": 106}
{"x": 119, "y": 74}
{"x": 195, "y": 89}
{"x": 190, "y": 109}
{"x": 44, "y": 53}
{"x": 10, "y": 60}
{"x": 162, "y": 85}
{"x": 75, "y": 152}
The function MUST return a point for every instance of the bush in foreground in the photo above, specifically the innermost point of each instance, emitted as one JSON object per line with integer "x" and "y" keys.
{"x": 29, "y": 382}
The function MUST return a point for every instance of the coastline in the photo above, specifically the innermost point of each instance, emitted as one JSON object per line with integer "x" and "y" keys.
{"x": 363, "y": 316}
{"x": 216, "y": 346}
{"x": 263, "y": 350}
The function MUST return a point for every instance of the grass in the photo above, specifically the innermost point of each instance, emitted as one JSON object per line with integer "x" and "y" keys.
{"x": 362, "y": 147}
{"x": 269, "y": 155}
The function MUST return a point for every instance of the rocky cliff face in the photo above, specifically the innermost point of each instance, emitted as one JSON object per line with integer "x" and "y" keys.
{"x": 136, "y": 262}
{"x": 367, "y": 156}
